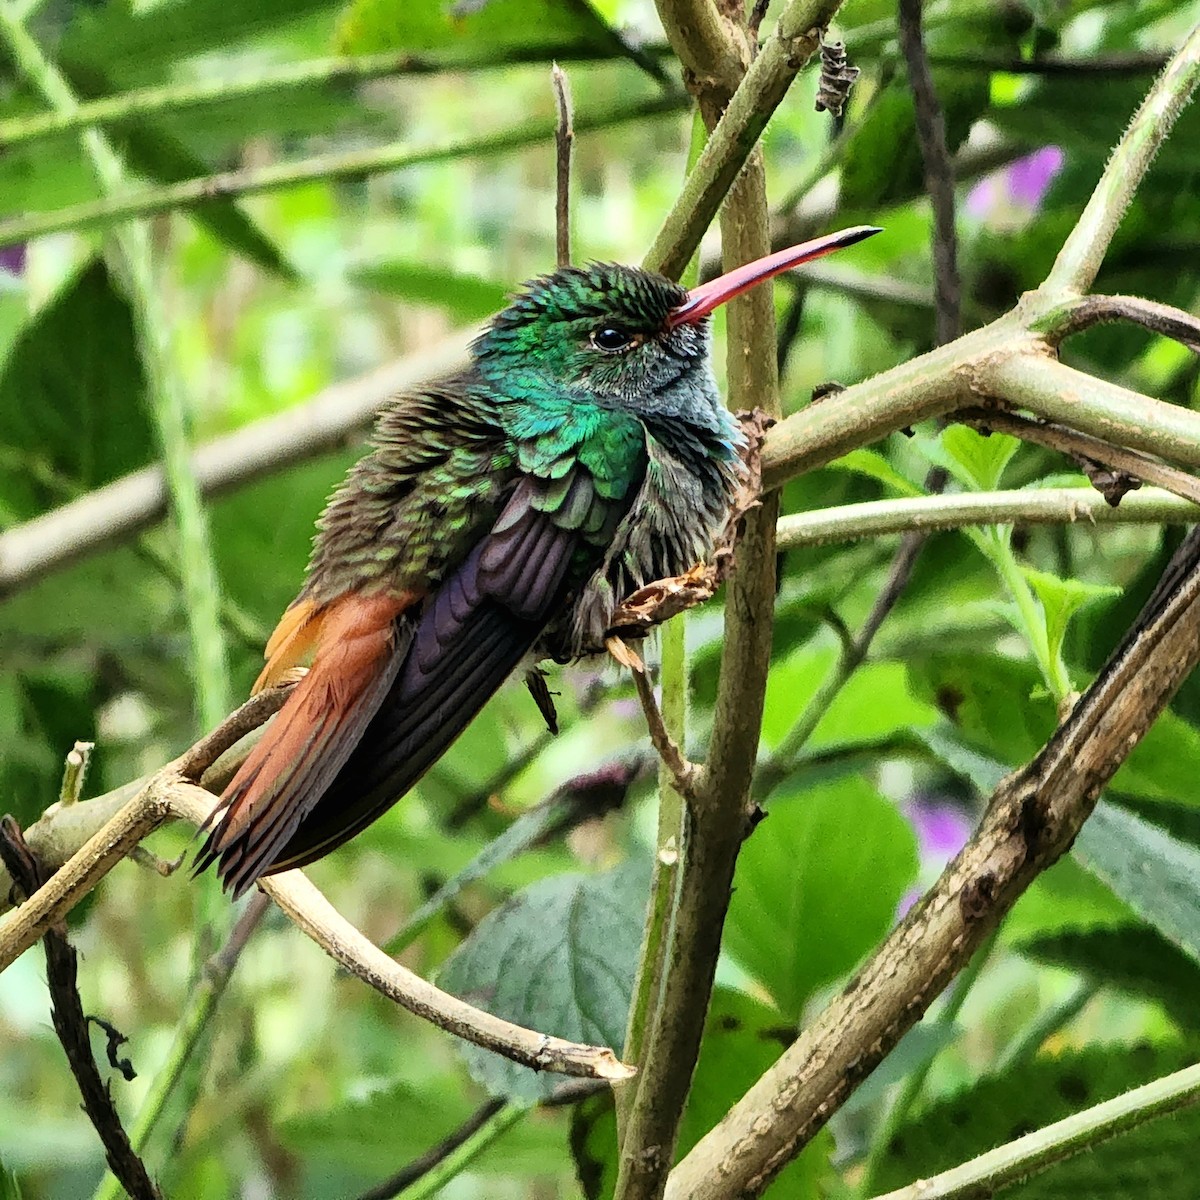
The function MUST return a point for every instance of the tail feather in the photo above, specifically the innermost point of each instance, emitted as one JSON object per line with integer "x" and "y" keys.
{"x": 360, "y": 650}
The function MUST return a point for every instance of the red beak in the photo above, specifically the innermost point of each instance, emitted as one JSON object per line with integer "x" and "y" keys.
{"x": 708, "y": 296}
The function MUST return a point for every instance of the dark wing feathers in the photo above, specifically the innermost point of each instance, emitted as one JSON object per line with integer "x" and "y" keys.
{"x": 473, "y": 633}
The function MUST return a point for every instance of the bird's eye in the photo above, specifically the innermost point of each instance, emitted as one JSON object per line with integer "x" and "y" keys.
{"x": 612, "y": 339}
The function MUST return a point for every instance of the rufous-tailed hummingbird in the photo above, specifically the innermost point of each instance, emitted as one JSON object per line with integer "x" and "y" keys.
{"x": 501, "y": 516}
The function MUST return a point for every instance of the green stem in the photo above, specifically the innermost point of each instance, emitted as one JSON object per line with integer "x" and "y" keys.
{"x": 167, "y": 394}
{"x": 179, "y": 97}
{"x": 1034, "y": 506}
{"x": 462, "y": 1155}
{"x": 352, "y": 164}
{"x": 1027, "y": 1043}
{"x": 1079, "y": 260}
{"x": 673, "y": 675}
{"x": 1018, "y": 1160}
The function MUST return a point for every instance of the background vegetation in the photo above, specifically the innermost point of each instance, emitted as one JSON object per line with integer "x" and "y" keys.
{"x": 425, "y": 191}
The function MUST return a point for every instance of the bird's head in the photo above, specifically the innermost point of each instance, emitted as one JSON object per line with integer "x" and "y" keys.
{"x": 621, "y": 336}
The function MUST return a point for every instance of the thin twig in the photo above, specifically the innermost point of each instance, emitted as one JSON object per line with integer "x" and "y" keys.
{"x": 1164, "y": 319}
{"x": 683, "y": 771}
{"x": 564, "y": 137}
{"x": 169, "y": 796}
{"x": 180, "y": 97}
{"x": 202, "y": 1003}
{"x": 422, "y": 1165}
{"x": 939, "y": 174}
{"x": 71, "y": 1025}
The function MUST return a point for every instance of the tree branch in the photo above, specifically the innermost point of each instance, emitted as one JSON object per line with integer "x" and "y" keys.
{"x": 172, "y": 794}
{"x": 1031, "y": 820}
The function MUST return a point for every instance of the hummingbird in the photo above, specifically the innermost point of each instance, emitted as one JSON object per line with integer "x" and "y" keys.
{"x": 501, "y": 515}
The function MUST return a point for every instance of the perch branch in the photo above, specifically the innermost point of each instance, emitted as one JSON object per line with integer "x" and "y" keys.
{"x": 172, "y": 794}
{"x": 564, "y": 136}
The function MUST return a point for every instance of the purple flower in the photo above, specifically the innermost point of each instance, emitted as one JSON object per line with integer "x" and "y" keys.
{"x": 942, "y": 829}
{"x": 12, "y": 259}
{"x": 1009, "y": 197}
{"x": 1029, "y": 178}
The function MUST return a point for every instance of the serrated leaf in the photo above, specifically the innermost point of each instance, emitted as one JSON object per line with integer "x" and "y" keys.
{"x": 560, "y": 958}
{"x": 973, "y": 459}
{"x": 72, "y": 398}
{"x": 1156, "y": 875}
{"x": 1130, "y": 958}
{"x": 1061, "y": 599}
{"x": 837, "y": 858}
{"x": 1156, "y": 1159}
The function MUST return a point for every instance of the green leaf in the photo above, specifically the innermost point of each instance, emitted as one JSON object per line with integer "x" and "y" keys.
{"x": 559, "y": 957}
{"x": 836, "y": 858}
{"x": 468, "y": 297}
{"x": 1158, "y": 876}
{"x": 989, "y": 699}
{"x": 1156, "y": 1160}
{"x": 975, "y": 460}
{"x": 1130, "y": 958}
{"x": 371, "y": 25}
{"x": 1061, "y": 599}
{"x": 72, "y": 398}
{"x": 875, "y": 466}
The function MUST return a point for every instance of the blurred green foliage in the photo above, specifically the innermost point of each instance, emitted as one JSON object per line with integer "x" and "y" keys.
{"x": 309, "y": 1085}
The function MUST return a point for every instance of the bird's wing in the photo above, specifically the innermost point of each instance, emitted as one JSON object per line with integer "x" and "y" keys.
{"x": 473, "y": 634}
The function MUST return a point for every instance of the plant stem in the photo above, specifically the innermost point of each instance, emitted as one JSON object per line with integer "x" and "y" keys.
{"x": 1079, "y": 260}
{"x": 987, "y": 1174}
{"x": 168, "y": 397}
{"x": 1033, "y": 506}
{"x": 793, "y": 42}
{"x": 354, "y": 164}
